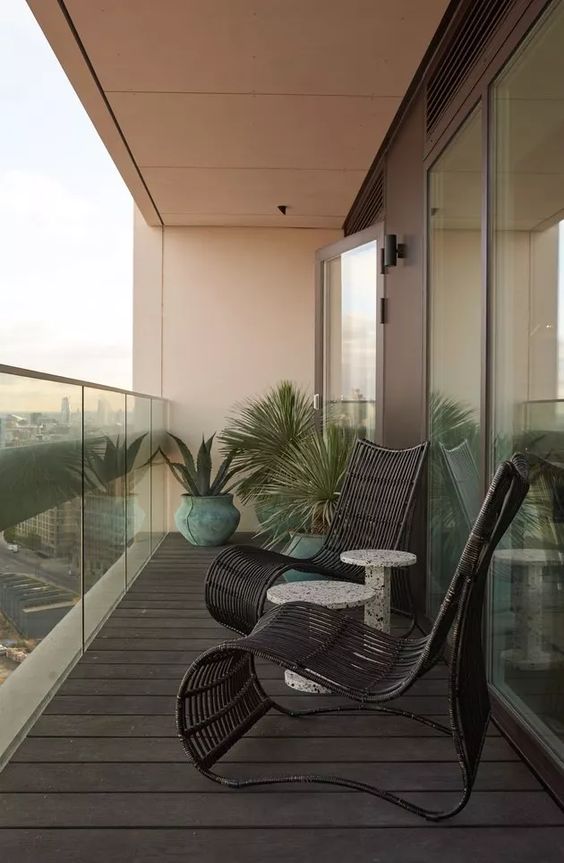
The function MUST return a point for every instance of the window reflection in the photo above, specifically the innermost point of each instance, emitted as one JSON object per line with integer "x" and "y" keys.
{"x": 350, "y": 338}
{"x": 455, "y": 305}
{"x": 528, "y": 374}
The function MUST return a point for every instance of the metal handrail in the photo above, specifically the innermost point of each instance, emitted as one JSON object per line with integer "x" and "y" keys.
{"x": 44, "y": 376}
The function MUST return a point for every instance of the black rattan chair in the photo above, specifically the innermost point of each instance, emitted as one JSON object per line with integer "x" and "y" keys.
{"x": 374, "y": 511}
{"x": 221, "y": 698}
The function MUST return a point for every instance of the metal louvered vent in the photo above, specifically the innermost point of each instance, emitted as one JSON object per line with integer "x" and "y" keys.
{"x": 465, "y": 48}
{"x": 368, "y": 206}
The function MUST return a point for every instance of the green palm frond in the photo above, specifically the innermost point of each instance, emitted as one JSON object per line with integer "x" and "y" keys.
{"x": 261, "y": 429}
{"x": 306, "y": 481}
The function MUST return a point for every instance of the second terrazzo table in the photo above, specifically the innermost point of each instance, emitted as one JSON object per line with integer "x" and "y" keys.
{"x": 379, "y": 565}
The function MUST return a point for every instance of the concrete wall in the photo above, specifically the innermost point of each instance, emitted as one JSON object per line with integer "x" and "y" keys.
{"x": 238, "y": 316}
{"x": 404, "y": 332}
{"x": 147, "y": 306}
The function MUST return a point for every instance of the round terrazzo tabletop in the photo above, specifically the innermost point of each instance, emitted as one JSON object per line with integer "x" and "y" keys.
{"x": 388, "y": 559}
{"x": 329, "y": 594}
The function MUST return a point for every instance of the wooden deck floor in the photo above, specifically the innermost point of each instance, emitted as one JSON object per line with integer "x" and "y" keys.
{"x": 102, "y": 776}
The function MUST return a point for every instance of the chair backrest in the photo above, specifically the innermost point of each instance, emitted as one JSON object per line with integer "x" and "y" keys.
{"x": 463, "y": 474}
{"x": 462, "y": 610}
{"x": 375, "y": 505}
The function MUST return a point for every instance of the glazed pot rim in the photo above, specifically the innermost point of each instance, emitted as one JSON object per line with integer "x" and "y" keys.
{"x": 208, "y": 496}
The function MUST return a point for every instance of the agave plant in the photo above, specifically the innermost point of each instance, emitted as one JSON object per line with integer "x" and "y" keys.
{"x": 261, "y": 430}
{"x": 106, "y": 460}
{"x": 195, "y": 476}
{"x": 305, "y": 482}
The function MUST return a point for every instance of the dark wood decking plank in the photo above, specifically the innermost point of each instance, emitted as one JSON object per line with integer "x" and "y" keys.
{"x": 255, "y": 809}
{"x": 158, "y": 778}
{"x": 331, "y": 845}
{"x": 154, "y": 670}
{"x": 270, "y": 726}
{"x": 157, "y": 704}
{"x": 263, "y": 750}
{"x": 169, "y": 686}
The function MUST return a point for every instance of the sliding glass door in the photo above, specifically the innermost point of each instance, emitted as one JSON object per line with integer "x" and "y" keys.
{"x": 527, "y": 374}
{"x": 349, "y": 333}
{"x": 504, "y": 358}
{"x": 454, "y": 373}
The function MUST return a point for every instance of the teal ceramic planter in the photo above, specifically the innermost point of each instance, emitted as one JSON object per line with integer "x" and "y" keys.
{"x": 303, "y": 545}
{"x": 207, "y": 520}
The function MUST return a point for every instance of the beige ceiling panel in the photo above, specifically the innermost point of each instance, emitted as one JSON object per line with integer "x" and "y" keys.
{"x": 271, "y": 46}
{"x": 55, "y": 26}
{"x": 250, "y": 221}
{"x": 252, "y": 131}
{"x": 306, "y": 193}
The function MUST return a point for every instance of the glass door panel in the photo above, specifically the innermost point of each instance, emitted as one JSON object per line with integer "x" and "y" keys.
{"x": 527, "y": 602}
{"x": 455, "y": 314}
{"x": 350, "y": 292}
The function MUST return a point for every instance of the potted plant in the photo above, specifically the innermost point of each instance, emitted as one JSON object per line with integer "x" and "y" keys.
{"x": 206, "y": 515}
{"x": 305, "y": 483}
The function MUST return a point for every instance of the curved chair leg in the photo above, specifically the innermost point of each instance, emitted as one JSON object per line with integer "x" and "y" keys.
{"x": 226, "y": 682}
{"x": 365, "y": 708}
{"x": 428, "y": 814}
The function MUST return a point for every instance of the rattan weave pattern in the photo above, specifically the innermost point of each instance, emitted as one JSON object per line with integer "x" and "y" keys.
{"x": 221, "y": 697}
{"x": 374, "y": 511}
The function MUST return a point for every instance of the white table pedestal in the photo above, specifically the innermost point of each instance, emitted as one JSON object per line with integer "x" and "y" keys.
{"x": 528, "y": 591}
{"x": 378, "y": 566}
{"x": 377, "y": 612}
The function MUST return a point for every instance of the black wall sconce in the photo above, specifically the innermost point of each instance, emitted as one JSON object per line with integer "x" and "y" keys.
{"x": 392, "y": 251}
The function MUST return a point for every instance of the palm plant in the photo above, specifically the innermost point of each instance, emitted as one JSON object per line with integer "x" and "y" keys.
{"x": 195, "y": 476}
{"x": 305, "y": 482}
{"x": 261, "y": 430}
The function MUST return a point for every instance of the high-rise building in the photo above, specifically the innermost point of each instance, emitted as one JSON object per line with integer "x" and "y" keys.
{"x": 65, "y": 410}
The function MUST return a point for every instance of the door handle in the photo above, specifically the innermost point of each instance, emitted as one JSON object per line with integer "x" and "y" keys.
{"x": 316, "y": 401}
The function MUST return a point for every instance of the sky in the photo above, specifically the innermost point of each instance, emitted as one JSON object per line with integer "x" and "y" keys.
{"x": 66, "y": 221}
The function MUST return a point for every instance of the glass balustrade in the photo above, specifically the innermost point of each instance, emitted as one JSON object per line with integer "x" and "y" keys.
{"x": 82, "y": 507}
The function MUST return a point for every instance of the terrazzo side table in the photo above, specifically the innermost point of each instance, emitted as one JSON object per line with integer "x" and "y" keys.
{"x": 528, "y": 652}
{"x": 378, "y": 566}
{"x": 330, "y": 594}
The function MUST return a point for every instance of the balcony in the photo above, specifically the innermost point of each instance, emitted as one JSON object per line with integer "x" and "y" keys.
{"x": 102, "y": 773}
{"x": 313, "y": 201}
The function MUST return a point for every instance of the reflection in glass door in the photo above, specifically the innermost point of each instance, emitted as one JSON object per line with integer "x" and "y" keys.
{"x": 527, "y": 603}
{"x": 350, "y": 335}
{"x": 454, "y": 374}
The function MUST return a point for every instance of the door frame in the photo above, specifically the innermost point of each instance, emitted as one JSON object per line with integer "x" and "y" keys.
{"x": 333, "y": 250}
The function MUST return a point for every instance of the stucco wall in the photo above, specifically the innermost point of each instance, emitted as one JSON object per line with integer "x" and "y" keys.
{"x": 147, "y": 301}
{"x": 238, "y": 316}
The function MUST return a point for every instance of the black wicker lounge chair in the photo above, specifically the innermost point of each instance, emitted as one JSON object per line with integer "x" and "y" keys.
{"x": 374, "y": 511}
{"x": 221, "y": 698}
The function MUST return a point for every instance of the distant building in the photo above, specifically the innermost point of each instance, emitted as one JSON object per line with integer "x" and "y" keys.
{"x": 65, "y": 411}
{"x": 103, "y": 412}
{"x": 57, "y": 531}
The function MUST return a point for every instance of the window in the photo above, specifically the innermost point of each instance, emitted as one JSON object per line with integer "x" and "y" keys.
{"x": 527, "y": 645}
{"x": 455, "y": 282}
